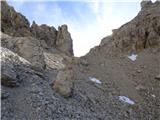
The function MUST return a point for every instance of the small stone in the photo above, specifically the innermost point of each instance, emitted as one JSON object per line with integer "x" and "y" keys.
{"x": 133, "y": 74}
{"x": 139, "y": 71}
{"x": 84, "y": 62}
{"x": 140, "y": 87}
{"x": 8, "y": 80}
{"x": 4, "y": 94}
{"x": 144, "y": 66}
{"x": 157, "y": 77}
{"x": 102, "y": 64}
{"x": 153, "y": 95}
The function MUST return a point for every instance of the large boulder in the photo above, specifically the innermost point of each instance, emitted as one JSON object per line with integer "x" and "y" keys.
{"x": 64, "y": 82}
{"x": 64, "y": 40}
{"x": 26, "y": 47}
{"x": 45, "y": 33}
{"x": 13, "y": 23}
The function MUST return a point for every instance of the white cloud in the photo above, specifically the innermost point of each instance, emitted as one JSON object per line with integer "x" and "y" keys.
{"x": 91, "y": 35}
{"x": 40, "y": 10}
{"x": 95, "y": 6}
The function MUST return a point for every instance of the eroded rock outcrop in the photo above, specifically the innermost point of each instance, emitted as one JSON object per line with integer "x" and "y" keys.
{"x": 51, "y": 38}
{"x": 64, "y": 40}
{"x": 13, "y": 23}
{"x": 46, "y": 34}
{"x": 54, "y": 61}
{"x": 140, "y": 33}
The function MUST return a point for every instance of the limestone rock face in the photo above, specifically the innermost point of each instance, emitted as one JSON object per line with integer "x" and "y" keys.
{"x": 13, "y": 23}
{"x": 64, "y": 40}
{"x": 11, "y": 63}
{"x": 51, "y": 38}
{"x": 105, "y": 40}
{"x": 145, "y": 3}
{"x": 64, "y": 82}
{"x": 54, "y": 61}
{"x": 26, "y": 47}
{"x": 140, "y": 33}
{"x": 46, "y": 34}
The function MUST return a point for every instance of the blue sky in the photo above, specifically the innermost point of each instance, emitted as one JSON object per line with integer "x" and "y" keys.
{"x": 88, "y": 20}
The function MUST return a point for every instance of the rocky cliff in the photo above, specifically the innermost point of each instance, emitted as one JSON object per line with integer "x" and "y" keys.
{"x": 13, "y": 23}
{"x": 46, "y": 34}
{"x": 140, "y": 33}
{"x": 17, "y": 25}
{"x": 117, "y": 80}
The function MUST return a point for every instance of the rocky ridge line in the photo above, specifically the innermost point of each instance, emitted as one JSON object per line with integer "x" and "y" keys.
{"x": 17, "y": 25}
{"x": 140, "y": 33}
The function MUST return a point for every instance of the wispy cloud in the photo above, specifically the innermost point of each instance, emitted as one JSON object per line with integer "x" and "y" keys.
{"x": 40, "y": 9}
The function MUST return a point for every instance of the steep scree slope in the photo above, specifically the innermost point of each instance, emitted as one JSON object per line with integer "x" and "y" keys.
{"x": 31, "y": 60}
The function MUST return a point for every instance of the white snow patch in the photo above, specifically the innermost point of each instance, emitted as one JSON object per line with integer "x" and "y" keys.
{"x": 95, "y": 80}
{"x": 126, "y": 100}
{"x": 133, "y": 57}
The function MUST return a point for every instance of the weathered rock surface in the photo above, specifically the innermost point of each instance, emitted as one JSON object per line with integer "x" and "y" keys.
{"x": 140, "y": 33}
{"x": 4, "y": 93}
{"x": 64, "y": 82}
{"x": 46, "y": 34}
{"x": 54, "y": 61}
{"x": 64, "y": 40}
{"x": 13, "y": 23}
{"x": 27, "y": 47}
{"x": 11, "y": 64}
{"x": 51, "y": 38}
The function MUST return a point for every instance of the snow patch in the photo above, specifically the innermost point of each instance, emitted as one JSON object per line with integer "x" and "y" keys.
{"x": 95, "y": 80}
{"x": 133, "y": 57}
{"x": 126, "y": 100}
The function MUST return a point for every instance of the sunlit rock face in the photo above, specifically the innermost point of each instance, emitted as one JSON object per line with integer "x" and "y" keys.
{"x": 140, "y": 33}
{"x": 52, "y": 38}
{"x": 64, "y": 82}
{"x": 64, "y": 40}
